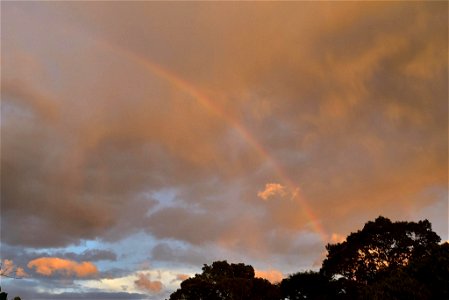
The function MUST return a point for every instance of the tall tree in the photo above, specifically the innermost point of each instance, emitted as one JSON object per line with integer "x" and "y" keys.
{"x": 381, "y": 246}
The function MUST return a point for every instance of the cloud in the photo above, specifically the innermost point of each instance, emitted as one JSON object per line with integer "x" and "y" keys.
{"x": 274, "y": 276}
{"x": 337, "y": 238}
{"x": 271, "y": 190}
{"x": 24, "y": 99}
{"x": 190, "y": 255}
{"x": 91, "y": 255}
{"x": 53, "y": 265}
{"x": 21, "y": 272}
{"x": 22, "y": 256}
{"x": 145, "y": 283}
{"x": 182, "y": 277}
{"x": 191, "y": 226}
{"x": 131, "y": 133}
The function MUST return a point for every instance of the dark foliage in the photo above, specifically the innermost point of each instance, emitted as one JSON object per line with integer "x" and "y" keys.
{"x": 221, "y": 281}
{"x": 433, "y": 271}
{"x": 423, "y": 278}
{"x": 307, "y": 285}
{"x": 381, "y": 246}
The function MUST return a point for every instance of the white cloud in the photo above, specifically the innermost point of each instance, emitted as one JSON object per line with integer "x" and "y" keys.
{"x": 167, "y": 280}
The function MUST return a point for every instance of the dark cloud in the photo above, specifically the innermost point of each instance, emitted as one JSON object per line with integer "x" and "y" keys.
{"x": 93, "y": 255}
{"x": 182, "y": 254}
{"x": 190, "y": 226}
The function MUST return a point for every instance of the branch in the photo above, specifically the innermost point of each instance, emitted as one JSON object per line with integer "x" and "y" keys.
{"x": 9, "y": 276}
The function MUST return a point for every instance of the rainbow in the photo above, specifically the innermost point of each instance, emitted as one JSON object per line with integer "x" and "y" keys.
{"x": 203, "y": 100}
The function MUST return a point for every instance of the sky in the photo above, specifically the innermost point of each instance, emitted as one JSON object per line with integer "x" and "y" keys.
{"x": 141, "y": 140}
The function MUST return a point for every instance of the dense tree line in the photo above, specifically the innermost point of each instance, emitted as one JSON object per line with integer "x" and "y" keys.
{"x": 384, "y": 260}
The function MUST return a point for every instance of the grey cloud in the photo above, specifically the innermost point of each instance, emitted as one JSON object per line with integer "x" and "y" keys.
{"x": 22, "y": 256}
{"x": 167, "y": 252}
{"x": 115, "y": 273}
{"x": 92, "y": 255}
{"x": 92, "y": 295}
{"x": 183, "y": 224}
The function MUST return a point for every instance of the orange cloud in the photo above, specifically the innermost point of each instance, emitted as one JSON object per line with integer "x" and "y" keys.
{"x": 272, "y": 276}
{"x": 20, "y": 272}
{"x": 50, "y": 265}
{"x": 145, "y": 283}
{"x": 272, "y": 189}
{"x": 182, "y": 277}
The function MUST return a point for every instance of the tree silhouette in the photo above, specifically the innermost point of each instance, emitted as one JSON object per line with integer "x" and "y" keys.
{"x": 3, "y": 295}
{"x": 222, "y": 280}
{"x": 433, "y": 271}
{"x": 381, "y": 246}
{"x": 307, "y": 285}
{"x": 423, "y": 278}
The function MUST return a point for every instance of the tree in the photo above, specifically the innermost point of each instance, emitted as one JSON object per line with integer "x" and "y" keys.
{"x": 7, "y": 272}
{"x": 307, "y": 285}
{"x": 3, "y": 295}
{"x": 432, "y": 271}
{"x": 222, "y": 280}
{"x": 423, "y": 278}
{"x": 381, "y": 246}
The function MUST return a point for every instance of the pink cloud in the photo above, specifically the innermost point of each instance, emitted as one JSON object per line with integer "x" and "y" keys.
{"x": 182, "y": 277}
{"x": 144, "y": 282}
{"x": 51, "y": 265}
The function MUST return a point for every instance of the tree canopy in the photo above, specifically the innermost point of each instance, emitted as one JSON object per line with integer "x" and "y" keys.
{"x": 380, "y": 246}
{"x": 306, "y": 285}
